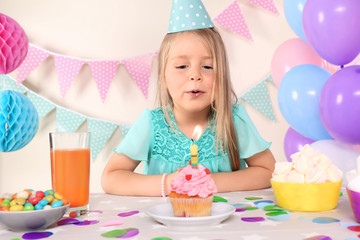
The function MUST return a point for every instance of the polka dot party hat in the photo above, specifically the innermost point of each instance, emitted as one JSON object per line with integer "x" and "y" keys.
{"x": 188, "y": 15}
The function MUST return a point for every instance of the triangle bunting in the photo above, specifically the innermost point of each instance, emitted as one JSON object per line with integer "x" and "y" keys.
{"x": 101, "y": 131}
{"x": 7, "y": 83}
{"x": 42, "y": 106}
{"x": 33, "y": 59}
{"x": 232, "y": 19}
{"x": 266, "y": 4}
{"x": 66, "y": 69}
{"x": 67, "y": 121}
{"x": 103, "y": 72}
{"x": 258, "y": 97}
{"x": 139, "y": 69}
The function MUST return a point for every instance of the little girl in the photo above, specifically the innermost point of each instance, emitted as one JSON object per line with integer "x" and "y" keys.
{"x": 194, "y": 89}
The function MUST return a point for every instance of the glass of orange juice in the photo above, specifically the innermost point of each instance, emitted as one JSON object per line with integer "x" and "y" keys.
{"x": 70, "y": 168}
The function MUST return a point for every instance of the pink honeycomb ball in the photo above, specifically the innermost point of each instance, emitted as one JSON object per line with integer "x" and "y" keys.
{"x": 13, "y": 44}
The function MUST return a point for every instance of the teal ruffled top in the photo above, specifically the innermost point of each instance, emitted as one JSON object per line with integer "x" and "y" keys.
{"x": 152, "y": 140}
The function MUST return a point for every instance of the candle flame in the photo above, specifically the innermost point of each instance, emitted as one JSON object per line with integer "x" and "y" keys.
{"x": 197, "y": 132}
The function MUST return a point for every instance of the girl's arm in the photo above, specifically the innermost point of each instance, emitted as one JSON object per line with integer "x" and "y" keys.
{"x": 256, "y": 176}
{"x": 119, "y": 178}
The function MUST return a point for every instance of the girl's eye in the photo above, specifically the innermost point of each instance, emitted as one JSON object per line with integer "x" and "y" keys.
{"x": 181, "y": 67}
{"x": 208, "y": 67}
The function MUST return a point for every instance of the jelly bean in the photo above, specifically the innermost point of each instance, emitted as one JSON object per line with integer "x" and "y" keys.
{"x": 57, "y": 204}
{"x": 28, "y": 207}
{"x": 34, "y": 200}
{"x": 28, "y": 191}
{"x": 17, "y": 208}
{"x": 44, "y": 202}
{"x": 5, "y": 208}
{"x": 39, "y": 207}
{"x": 13, "y": 203}
{"x": 13, "y": 196}
{"x": 1, "y": 201}
{"x": 50, "y": 192}
{"x": 50, "y": 198}
{"x": 20, "y": 201}
{"x": 47, "y": 207}
{"x": 65, "y": 201}
{"x": 27, "y": 203}
{"x": 58, "y": 196}
{"x": 40, "y": 194}
{"x": 22, "y": 194}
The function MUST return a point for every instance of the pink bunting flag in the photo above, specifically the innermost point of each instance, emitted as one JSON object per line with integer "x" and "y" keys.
{"x": 266, "y": 4}
{"x": 66, "y": 68}
{"x": 139, "y": 68}
{"x": 103, "y": 72}
{"x": 34, "y": 58}
{"x": 231, "y": 18}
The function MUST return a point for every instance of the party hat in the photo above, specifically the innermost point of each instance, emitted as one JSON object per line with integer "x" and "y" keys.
{"x": 188, "y": 15}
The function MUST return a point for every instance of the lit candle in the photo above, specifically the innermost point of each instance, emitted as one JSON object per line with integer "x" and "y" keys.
{"x": 194, "y": 155}
{"x": 194, "y": 148}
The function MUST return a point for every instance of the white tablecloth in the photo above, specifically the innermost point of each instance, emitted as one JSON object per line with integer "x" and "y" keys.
{"x": 249, "y": 224}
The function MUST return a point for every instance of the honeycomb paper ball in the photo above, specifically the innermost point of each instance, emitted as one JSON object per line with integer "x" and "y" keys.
{"x": 13, "y": 44}
{"x": 19, "y": 121}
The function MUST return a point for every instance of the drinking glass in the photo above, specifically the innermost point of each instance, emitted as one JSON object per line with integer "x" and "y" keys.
{"x": 70, "y": 168}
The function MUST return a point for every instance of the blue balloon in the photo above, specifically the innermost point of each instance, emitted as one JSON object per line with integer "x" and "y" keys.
{"x": 298, "y": 99}
{"x": 19, "y": 121}
{"x": 294, "y": 14}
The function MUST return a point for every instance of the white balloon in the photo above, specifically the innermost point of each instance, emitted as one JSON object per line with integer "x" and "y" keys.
{"x": 342, "y": 155}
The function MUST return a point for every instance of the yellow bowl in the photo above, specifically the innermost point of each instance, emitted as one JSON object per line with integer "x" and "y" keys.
{"x": 307, "y": 197}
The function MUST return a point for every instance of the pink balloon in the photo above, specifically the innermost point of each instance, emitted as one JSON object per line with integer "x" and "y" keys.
{"x": 289, "y": 54}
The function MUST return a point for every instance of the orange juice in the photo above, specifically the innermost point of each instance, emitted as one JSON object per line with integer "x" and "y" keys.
{"x": 70, "y": 173}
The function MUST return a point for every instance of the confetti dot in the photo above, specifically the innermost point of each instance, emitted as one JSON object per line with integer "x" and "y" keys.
{"x": 253, "y": 198}
{"x": 113, "y": 222}
{"x": 276, "y": 213}
{"x": 354, "y": 228}
{"x": 127, "y": 214}
{"x": 86, "y": 222}
{"x": 325, "y": 220}
{"x": 319, "y": 237}
{"x": 36, "y": 235}
{"x": 253, "y": 219}
{"x": 161, "y": 238}
{"x": 280, "y": 218}
{"x": 66, "y": 221}
{"x": 219, "y": 199}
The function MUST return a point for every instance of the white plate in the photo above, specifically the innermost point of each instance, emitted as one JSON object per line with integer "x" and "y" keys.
{"x": 163, "y": 213}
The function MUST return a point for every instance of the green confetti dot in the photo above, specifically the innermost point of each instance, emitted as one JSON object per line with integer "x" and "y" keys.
{"x": 114, "y": 233}
{"x": 219, "y": 199}
{"x": 253, "y": 198}
{"x": 15, "y": 239}
{"x": 341, "y": 194}
{"x": 276, "y": 213}
{"x": 161, "y": 238}
{"x": 273, "y": 208}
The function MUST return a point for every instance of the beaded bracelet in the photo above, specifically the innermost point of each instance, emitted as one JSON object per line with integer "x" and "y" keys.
{"x": 163, "y": 185}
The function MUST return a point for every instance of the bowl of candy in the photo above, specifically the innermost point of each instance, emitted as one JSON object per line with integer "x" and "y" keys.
{"x": 31, "y": 210}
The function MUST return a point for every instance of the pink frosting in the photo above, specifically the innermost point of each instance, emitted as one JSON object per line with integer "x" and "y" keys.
{"x": 192, "y": 181}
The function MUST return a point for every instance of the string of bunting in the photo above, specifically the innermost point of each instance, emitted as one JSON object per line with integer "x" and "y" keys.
{"x": 101, "y": 130}
{"x": 67, "y": 120}
{"x": 139, "y": 67}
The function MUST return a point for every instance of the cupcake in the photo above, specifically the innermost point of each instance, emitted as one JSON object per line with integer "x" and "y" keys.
{"x": 311, "y": 182}
{"x": 192, "y": 192}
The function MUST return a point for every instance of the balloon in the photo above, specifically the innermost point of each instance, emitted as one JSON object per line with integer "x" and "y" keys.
{"x": 332, "y": 29}
{"x": 339, "y": 105}
{"x": 289, "y": 54}
{"x": 294, "y": 13}
{"x": 339, "y": 153}
{"x": 293, "y": 142}
{"x": 298, "y": 98}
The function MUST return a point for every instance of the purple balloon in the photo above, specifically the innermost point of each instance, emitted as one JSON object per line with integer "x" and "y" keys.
{"x": 293, "y": 142}
{"x": 332, "y": 29}
{"x": 339, "y": 105}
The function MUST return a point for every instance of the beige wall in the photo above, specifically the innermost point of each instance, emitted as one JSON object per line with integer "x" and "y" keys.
{"x": 118, "y": 29}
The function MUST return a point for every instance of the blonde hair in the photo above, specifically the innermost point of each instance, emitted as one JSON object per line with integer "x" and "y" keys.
{"x": 222, "y": 96}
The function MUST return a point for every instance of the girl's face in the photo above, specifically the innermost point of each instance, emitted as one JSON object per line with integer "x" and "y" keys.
{"x": 189, "y": 74}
